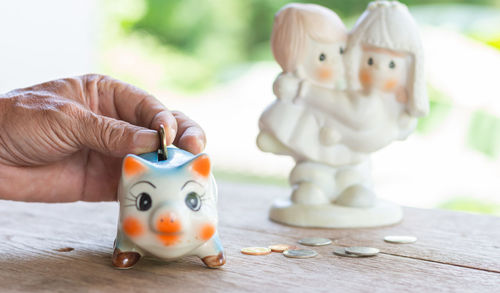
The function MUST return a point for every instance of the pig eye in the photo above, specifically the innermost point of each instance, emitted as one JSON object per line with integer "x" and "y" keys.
{"x": 392, "y": 65}
{"x": 370, "y": 61}
{"x": 193, "y": 201}
{"x": 341, "y": 50}
{"x": 322, "y": 57}
{"x": 144, "y": 202}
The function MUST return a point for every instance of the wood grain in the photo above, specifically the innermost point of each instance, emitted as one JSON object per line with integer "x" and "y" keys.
{"x": 453, "y": 238}
{"x": 455, "y": 252}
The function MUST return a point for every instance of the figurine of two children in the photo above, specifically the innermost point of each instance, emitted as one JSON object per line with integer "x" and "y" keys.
{"x": 341, "y": 96}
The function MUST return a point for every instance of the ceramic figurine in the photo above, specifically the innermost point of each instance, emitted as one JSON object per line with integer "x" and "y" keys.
{"x": 167, "y": 209}
{"x": 307, "y": 41}
{"x": 374, "y": 96}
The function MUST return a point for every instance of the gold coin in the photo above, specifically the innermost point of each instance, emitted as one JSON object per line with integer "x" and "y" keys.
{"x": 281, "y": 247}
{"x": 162, "y": 151}
{"x": 256, "y": 250}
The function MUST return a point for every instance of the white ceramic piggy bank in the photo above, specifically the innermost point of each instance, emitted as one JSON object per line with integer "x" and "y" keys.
{"x": 167, "y": 209}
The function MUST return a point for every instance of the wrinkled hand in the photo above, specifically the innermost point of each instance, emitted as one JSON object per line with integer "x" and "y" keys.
{"x": 64, "y": 140}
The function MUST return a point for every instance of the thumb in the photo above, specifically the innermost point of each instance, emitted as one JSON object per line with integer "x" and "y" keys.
{"x": 116, "y": 137}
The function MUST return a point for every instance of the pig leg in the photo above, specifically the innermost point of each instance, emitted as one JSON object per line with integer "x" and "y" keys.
{"x": 125, "y": 254}
{"x": 212, "y": 253}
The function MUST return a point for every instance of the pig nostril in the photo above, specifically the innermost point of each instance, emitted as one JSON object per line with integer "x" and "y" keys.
{"x": 168, "y": 223}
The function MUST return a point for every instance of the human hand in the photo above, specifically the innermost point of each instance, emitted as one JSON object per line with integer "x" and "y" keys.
{"x": 64, "y": 140}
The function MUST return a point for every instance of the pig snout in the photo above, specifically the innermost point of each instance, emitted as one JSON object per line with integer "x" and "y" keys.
{"x": 167, "y": 222}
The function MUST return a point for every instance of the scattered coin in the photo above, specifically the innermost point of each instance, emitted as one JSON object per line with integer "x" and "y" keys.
{"x": 315, "y": 241}
{"x": 362, "y": 251}
{"x": 281, "y": 247}
{"x": 400, "y": 239}
{"x": 341, "y": 252}
{"x": 256, "y": 250}
{"x": 300, "y": 253}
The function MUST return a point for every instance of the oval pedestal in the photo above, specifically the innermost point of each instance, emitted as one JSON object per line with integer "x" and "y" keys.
{"x": 335, "y": 216}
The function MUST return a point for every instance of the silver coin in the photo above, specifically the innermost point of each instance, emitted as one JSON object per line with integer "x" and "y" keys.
{"x": 300, "y": 253}
{"x": 399, "y": 239}
{"x": 362, "y": 251}
{"x": 341, "y": 252}
{"x": 315, "y": 241}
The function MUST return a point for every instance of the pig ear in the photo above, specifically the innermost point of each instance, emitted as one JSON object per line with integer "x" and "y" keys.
{"x": 200, "y": 165}
{"x": 134, "y": 165}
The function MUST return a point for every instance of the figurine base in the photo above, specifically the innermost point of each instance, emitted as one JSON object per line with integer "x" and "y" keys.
{"x": 335, "y": 216}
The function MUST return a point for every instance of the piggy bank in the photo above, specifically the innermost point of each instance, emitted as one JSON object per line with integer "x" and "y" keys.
{"x": 167, "y": 209}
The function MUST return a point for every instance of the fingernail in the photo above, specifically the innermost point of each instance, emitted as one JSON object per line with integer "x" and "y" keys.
{"x": 171, "y": 134}
{"x": 201, "y": 143}
{"x": 145, "y": 141}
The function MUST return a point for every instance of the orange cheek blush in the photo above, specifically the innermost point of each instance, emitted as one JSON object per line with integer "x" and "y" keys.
{"x": 207, "y": 231}
{"x": 325, "y": 73}
{"x": 365, "y": 77}
{"x": 132, "y": 227}
{"x": 390, "y": 84}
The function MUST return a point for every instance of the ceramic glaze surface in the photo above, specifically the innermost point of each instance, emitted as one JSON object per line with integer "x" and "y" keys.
{"x": 341, "y": 96}
{"x": 167, "y": 209}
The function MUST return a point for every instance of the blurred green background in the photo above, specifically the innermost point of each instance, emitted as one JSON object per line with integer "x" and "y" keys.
{"x": 192, "y": 46}
{"x": 210, "y": 37}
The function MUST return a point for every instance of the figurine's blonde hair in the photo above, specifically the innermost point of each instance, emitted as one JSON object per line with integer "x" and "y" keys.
{"x": 293, "y": 23}
{"x": 389, "y": 25}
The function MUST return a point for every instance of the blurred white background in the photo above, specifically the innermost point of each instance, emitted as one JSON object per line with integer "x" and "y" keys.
{"x": 44, "y": 40}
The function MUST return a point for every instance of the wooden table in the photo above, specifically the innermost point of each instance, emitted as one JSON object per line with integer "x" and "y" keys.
{"x": 454, "y": 252}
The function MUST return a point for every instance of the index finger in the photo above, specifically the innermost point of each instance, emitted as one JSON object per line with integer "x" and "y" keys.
{"x": 126, "y": 102}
